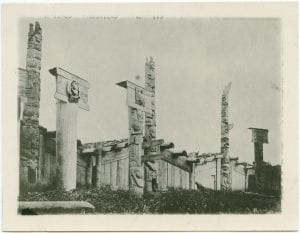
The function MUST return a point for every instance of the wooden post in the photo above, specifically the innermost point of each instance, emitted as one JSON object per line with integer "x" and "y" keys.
{"x": 259, "y": 137}
{"x": 66, "y": 144}
{"x": 98, "y": 169}
{"x": 192, "y": 177}
{"x": 225, "y": 127}
{"x": 89, "y": 172}
{"x": 71, "y": 92}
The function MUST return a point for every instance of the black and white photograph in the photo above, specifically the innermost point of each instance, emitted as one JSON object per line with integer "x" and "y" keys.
{"x": 149, "y": 115}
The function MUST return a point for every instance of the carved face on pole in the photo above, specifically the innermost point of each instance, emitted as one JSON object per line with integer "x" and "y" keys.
{"x": 73, "y": 91}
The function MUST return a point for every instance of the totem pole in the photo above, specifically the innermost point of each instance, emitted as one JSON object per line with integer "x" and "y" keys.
{"x": 225, "y": 127}
{"x": 150, "y": 126}
{"x": 71, "y": 93}
{"x": 30, "y": 96}
{"x": 139, "y": 100}
{"x": 259, "y": 137}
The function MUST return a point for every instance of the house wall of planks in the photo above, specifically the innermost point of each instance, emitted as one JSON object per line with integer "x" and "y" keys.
{"x": 114, "y": 172}
{"x": 109, "y": 163}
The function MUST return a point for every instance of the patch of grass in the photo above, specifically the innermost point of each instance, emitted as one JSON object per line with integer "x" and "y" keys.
{"x": 172, "y": 201}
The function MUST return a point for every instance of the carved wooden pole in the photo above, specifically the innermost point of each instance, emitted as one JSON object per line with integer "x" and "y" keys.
{"x": 71, "y": 92}
{"x": 29, "y": 92}
{"x": 225, "y": 127}
{"x": 136, "y": 123}
{"x": 138, "y": 101}
{"x": 150, "y": 123}
{"x": 259, "y": 137}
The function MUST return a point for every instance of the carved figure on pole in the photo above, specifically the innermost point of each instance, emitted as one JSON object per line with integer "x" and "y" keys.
{"x": 71, "y": 93}
{"x": 225, "y": 127}
{"x": 136, "y": 122}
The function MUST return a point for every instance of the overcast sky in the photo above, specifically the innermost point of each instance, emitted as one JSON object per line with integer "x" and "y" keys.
{"x": 195, "y": 59}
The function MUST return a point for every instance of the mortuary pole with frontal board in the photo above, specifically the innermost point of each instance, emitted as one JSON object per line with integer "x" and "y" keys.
{"x": 71, "y": 93}
{"x": 139, "y": 102}
{"x": 259, "y": 137}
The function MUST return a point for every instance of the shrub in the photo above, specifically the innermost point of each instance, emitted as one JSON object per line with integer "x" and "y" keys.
{"x": 172, "y": 201}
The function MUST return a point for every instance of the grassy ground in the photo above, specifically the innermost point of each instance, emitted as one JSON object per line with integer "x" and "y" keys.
{"x": 173, "y": 201}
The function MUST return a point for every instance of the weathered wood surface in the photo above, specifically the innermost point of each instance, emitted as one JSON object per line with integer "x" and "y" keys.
{"x": 111, "y": 156}
{"x": 163, "y": 181}
{"x": 63, "y": 207}
{"x": 178, "y": 159}
{"x": 218, "y": 173}
{"x": 89, "y": 172}
{"x": 114, "y": 171}
{"x": 98, "y": 169}
{"x": 225, "y": 127}
{"x": 152, "y": 143}
{"x": 259, "y": 137}
{"x": 191, "y": 178}
{"x": 136, "y": 128}
{"x": 66, "y": 145}
{"x": 169, "y": 175}
{"x": 139, "y": 100}
{"x": 138, "y": 97}
{"x": 177, "y": 177}
{"x": 71, "y": 92}
{"x": 107, "y": 174}
{"x": 152, "y": 158}
{"x": 63, "y": 78}
{"x": 165, "y": 146}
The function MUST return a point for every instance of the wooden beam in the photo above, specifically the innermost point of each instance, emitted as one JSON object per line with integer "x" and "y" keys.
{"x": 179, "y": 153}
{"x": 192, "y": 160}
{"x": 177, "y": 159}
{"x": 166, "y": 146}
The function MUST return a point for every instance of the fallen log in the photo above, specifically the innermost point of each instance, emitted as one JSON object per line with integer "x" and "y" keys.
{"x": 57, "y": 207}
{"x": 178, "y": 159}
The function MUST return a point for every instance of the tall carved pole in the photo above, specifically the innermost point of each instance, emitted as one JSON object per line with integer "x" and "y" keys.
{"x": 150, "y": 123}
{"x": 225, "y": 127}
{"x": 139, "y": 100}
{"x": 29, "y": 92}
{"x": 71, "y": 92}
{"x": 259, "y": 137}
